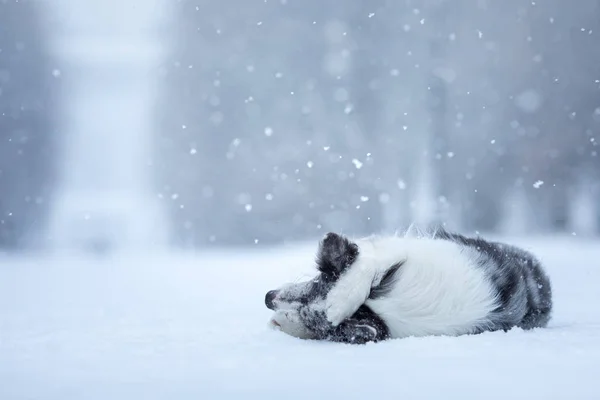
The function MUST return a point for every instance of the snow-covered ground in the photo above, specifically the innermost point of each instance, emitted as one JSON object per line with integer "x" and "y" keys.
{"x": 195, "y": 327}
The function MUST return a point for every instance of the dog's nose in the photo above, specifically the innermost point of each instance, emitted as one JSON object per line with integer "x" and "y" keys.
{"x": 269, "y": 298}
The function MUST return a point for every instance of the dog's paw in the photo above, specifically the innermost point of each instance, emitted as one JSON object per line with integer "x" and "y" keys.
{"x": 337, "y": 312}
{"x": 366, "y": 332}
{"x": 363, "y": 334}
{"x": 358, "y": 333}
{"x": 354, "y": 332}
{"x": 314, "y": 319}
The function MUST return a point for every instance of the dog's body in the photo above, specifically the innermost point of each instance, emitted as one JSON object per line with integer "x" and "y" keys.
{"x": 392, "y": 287}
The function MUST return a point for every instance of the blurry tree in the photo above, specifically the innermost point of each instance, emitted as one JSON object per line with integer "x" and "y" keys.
{"x": 562, "y": 132}
{"x": 26, "y": 123}
{"x": 284, "y": 119}
{"x": 261, "y": 143}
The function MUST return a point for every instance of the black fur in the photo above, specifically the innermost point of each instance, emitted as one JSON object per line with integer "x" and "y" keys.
{"x": 336, "y": 253}
{"x": 362, "y": 327}
{"x": 387, "y": 282}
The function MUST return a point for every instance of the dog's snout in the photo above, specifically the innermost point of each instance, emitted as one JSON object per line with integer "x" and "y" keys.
{"x": 269, "y": 299}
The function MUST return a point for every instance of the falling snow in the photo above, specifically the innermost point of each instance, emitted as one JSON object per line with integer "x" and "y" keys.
{"x": 386, "y": 115}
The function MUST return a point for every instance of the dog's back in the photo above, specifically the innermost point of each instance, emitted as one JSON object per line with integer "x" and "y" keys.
{"x": 449, "y": 284}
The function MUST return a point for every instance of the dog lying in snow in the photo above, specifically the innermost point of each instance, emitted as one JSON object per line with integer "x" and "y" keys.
{"x": 378, "y": 288}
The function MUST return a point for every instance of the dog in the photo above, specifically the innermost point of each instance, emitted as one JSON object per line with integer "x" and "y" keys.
{"x": 387, "y": 287}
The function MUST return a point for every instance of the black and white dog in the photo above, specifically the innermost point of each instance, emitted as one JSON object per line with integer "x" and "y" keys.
{"x": 378, "y": 288}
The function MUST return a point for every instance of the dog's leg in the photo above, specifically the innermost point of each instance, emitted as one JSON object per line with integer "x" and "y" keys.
{"x": 315, "y": 320}
{"x": 362, "y": 327}
{"x": 354, "y": 331}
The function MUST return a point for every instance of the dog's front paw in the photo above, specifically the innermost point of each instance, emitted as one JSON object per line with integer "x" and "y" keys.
{"x": 356, "y": 333}
{"x": 365, "y": 333}
{"x": 315, "y": 320}
{"x": 337, "y": 312}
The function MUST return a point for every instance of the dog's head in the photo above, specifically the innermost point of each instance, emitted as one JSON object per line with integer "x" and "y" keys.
{"x": 334, "y": 256}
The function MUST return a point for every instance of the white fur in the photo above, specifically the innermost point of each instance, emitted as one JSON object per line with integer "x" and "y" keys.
{"x": 288, "y": 321}
{"x": 353, "y": 287}
{"x": 438, "y": 289}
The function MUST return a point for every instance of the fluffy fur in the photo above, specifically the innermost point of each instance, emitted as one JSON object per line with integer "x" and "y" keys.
{"x": 444, "y": 283}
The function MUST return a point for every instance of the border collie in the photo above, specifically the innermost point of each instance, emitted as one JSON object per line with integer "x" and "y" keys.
{"x": 378, "y": 288}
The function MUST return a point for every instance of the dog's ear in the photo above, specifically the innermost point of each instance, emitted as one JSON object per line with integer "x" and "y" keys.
{"x": 335, "y": 254}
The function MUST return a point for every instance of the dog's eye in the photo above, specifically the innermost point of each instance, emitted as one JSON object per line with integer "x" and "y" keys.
{"x": 311, "y": 292}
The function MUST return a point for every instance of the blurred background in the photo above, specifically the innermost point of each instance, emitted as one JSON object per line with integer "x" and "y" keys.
{"x": 190, "y": 124}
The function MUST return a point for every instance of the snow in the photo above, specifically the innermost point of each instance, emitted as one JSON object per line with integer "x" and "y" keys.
{"x": 357, "y": 163}
{"x": 187, "y": 326}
